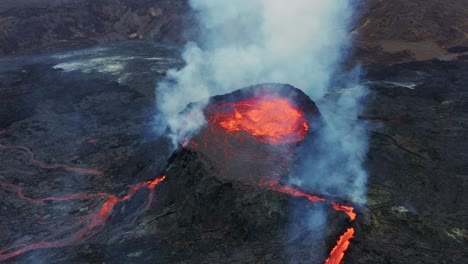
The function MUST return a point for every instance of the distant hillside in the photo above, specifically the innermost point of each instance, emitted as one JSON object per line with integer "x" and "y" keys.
{"x": 402, "y": 30}
{"x": 30, "y": 26}
{"x": 387, "y": 31}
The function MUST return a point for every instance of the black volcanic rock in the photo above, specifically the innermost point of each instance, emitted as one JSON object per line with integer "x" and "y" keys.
{"x": 417, "y": 165}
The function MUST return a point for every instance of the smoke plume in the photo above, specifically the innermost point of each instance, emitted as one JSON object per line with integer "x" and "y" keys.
{"x": 300, "y": 42}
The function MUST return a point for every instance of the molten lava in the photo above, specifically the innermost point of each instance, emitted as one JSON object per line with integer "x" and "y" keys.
{"x": 337, "y": 253}
{"x": 84, "y": 227}
{"x": 251, "y": 140}
{"x": 271, "y": 120}
{"x": 77, "y": 229}
{"x": 346, "y": 209}
{"x": 276, "y": 186}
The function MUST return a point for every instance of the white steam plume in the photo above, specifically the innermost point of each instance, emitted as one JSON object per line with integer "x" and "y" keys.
{"x": 245, "y": 42}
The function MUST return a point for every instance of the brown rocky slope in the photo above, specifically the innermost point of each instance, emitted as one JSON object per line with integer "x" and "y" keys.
{"x": 29, "y": 26}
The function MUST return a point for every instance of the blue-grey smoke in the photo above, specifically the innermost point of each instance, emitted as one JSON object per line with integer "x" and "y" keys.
{"x": 300, "y": 42}
{"x": 332, "y": 163}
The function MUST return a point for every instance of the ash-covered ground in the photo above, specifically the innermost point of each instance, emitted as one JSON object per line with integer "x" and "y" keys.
{"x": 95, "y": 109}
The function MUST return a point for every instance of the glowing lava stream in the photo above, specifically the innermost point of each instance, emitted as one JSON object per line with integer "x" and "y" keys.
{"x": 276, "y": 186}
{"x": 337, "y": 253}
{"x": 86, "y": 226}
{"x": 346, "y": 209}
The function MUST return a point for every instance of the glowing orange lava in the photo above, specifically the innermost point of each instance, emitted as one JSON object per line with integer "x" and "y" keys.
{"x": 271, "y": 120}
{"x": 276, "y": 186}
{"x": 337, "y": 252}
{"x": 346, "y": 209}
{"x": 85, "y": 227}
{"x": 81, "y": 228}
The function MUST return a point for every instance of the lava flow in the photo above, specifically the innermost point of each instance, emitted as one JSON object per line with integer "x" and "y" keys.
{"x": 346, "y": 209}
{"x": 79, "y": 229}
{"x": 84, "y": 227}
{"x": 253, "y": 141}
{"x": 337, "y": 253}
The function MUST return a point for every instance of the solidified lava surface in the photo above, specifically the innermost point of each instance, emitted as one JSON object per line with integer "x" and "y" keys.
{"x": 70, "y": 168}
{"x": 416, "y": 209}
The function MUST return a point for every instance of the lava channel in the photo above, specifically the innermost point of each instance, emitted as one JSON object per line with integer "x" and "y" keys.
{"x": 84, "y": 227}
{"x": 78, "y": 229}
{"x": 337, "y": 253}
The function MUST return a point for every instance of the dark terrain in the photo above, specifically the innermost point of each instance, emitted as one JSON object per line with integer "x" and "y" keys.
{"x": 82, "y": 117}
{"x": 94, "y": 108}
{"x": 417, "y": 165}
{"x": 395, "y": 31}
